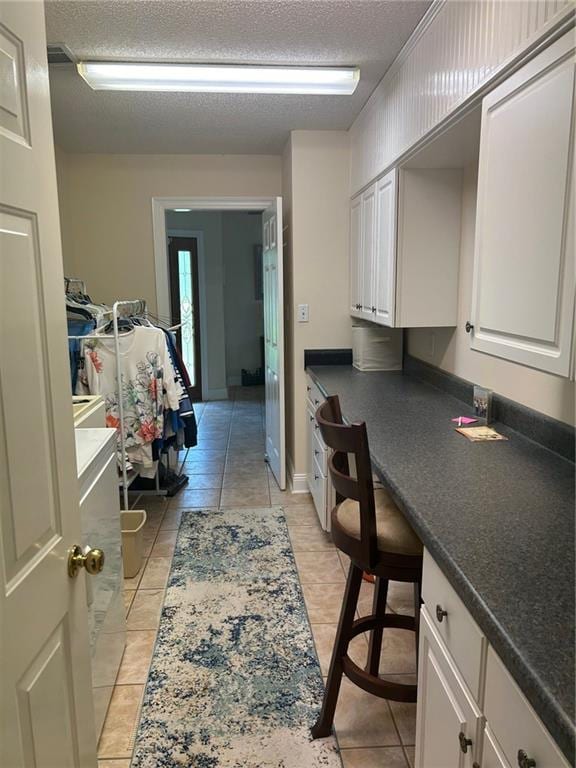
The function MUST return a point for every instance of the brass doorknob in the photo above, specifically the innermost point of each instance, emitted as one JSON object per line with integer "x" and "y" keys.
{"x": 92, "y": 560}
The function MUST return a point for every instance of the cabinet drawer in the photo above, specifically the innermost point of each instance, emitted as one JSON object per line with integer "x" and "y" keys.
{"x": 315, "y": 396}
{"x": 513, "y": 722}
{"x": 318, "y": 484}
{"x": 457, "y": 628}
{"x": 320, "y": 451}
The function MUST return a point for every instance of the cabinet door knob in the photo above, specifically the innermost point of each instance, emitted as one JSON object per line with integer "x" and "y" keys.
{"x": 373, "y": 309}
{"x": 308, "y": 389}
{"x": 440, "y": 613}
{"x": 315, "y": 452}
{"x": 464, "y": 742}
{"x": 469, "y": 327}
{"x": 316, "y": 477}
{"x": 524, "y": 761}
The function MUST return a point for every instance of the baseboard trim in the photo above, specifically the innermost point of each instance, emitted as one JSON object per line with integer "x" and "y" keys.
{"x": 298, "y": 482}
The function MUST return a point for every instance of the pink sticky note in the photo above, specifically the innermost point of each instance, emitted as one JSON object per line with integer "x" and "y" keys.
{"x": 464, "y": 420}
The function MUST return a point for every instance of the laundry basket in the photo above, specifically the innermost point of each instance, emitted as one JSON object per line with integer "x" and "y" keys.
{"x": 132, "y": 522}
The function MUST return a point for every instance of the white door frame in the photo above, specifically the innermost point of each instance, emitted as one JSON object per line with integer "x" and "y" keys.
{"x": 159, "y": 207}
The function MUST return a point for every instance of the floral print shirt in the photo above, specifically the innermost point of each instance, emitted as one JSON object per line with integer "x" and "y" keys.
{"x": 148, "y": 385}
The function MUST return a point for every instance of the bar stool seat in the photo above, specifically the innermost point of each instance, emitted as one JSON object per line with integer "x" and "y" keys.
{"x": 370, "y": 528}
{"x": 393, "y": 532}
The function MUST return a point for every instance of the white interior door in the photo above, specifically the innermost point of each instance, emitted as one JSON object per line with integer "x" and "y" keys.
{"x": 274, "y": 340}
{"x": 46, "y": 708}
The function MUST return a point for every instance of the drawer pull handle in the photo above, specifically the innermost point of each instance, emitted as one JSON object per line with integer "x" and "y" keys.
{"x": 316, "y": 453}
{"x": 315, "y": 426}
{"x": 316, "y": 402}
{"x": 524, "y": 761}
{"x": 440, "y": 614}
{"x": 316, "y": 477}
{"x": 311, "y": 418}
{"x": 308, "y": 389}
{"x": 464, "y": 742}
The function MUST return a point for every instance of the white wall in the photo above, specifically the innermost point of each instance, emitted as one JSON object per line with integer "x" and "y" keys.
{"x": 552, "y": 395}
{"x": 106, "y": 209}
{"x": 316, "y": 173}
{"x": 243, "y": 316}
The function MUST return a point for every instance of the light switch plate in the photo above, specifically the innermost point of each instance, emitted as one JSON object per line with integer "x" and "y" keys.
{"x": 302, "y": 313}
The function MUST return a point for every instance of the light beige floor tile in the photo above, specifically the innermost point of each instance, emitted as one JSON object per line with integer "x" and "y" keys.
{"x": 150, "y": 503}
{"x": 323, "y": 602}
{"x": 345, "y": 562}
{"x": 301, "y": 514}
{"x": 134, "y": 581}
{"x": 401, "y": 597}
{"x": 164, "y": 545}
{"x": 310, "y": 538}
{"x": 374, "y": 757}
{"x": 203, "y": 482}
{"x": 324, "y": 636}
{"x": 196, "y": 499}
{"x": 363, "y": 720}
{"x": 148, "y": 539}
{"x": 156, "y": 573}
{"x": 146, "y": 609}
{"x": 398, "y": 652}
{"x": 404, "y": 713}
{"x": 154, "y": 518}
{"x": 113, "y": 763}
{"x": 365, "y": 599}
{"x": 236, "y": 497}
{"x": 121, "y": 721}
{"x": 213, "y": 443}
{"x": 128, "y": 595}
{"x": 256, "y": 473}
{"x": 288, "y": 499}
{"x": 172, "y": 520}
{"x": 136, "y": 660}
{"x": 411, "y": 756}
{"x": 247, "y": 482}
{"x": 319, "y": 568}
{"x": 203, "y": 467}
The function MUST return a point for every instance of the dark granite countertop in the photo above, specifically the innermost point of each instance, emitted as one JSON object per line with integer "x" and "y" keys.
{"x": 498, "y": 518}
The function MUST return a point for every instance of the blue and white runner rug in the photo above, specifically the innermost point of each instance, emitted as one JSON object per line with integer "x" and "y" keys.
{"x": 234, "y": 681}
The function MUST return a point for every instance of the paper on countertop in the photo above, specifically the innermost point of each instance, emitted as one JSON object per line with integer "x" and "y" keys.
{"x": 480, "y": 434}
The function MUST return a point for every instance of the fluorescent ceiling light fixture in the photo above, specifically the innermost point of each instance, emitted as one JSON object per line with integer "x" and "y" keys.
{"x": 181, "y": 210}
{"x": 218, "y": 78}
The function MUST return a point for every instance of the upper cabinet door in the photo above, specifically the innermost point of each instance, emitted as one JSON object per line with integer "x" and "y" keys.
{"x": 368, "y": 251}
{"x": 385, "y": 249}
{"x": 523, "y": 296}
{"x": 355, "y": 253}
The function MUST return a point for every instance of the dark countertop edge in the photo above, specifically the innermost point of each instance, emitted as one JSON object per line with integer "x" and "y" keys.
{"x": 556, "y": 720}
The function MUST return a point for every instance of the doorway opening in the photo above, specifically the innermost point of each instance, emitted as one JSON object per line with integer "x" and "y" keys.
{"x": 219, "y": 274}
{"x": 185, "y": 306}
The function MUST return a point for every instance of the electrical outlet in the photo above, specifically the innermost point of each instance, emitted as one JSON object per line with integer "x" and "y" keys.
{"x": 302, "y": 313}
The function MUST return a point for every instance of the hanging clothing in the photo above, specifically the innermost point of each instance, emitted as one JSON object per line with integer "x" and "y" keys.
{"x": 149, "y": 386}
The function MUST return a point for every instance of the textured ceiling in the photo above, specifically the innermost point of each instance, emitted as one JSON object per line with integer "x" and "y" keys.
{"x": 366, "y": 33}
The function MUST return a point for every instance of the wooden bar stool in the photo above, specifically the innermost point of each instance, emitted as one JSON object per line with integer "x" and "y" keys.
{"x": 372, "y": 531}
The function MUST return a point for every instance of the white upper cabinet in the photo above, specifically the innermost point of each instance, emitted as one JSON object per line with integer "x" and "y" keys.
{"x": 523, "y": 294}
{"x": 385, "y": 250}
{"x": 404, "y": 264}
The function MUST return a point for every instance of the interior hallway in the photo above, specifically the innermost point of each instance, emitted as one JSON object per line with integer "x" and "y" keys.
{"x": 226, "y": 469}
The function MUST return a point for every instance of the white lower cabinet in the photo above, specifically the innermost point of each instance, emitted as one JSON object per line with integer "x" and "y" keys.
{"x": 317, "y": 463}
{"x": 471, "y": 713}
{"x": 449, "y": 723}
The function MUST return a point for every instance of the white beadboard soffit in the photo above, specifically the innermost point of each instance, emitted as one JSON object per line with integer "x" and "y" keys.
{"x": 364, "y": 33}
{"x": 457, "y": 49}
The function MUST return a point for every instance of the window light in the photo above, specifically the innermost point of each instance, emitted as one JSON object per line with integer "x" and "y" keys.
{"x": 218, "y": 78}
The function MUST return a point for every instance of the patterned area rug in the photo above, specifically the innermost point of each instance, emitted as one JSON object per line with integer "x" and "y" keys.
{"x": 235, "y": 681}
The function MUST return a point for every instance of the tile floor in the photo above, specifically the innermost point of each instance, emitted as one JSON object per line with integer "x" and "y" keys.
{"x": 226, "y": 469}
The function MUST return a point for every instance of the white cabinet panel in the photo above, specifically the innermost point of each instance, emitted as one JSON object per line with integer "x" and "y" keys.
{"x": 368, "y": 251}
{"x": 513, "y": 721}
{"x": 448, "y": 721}
{"x": 385, "y": 249}
{"x": 355, "y": 253}
{"x": 492, "y": 756}
{"x": 523, "y": 296}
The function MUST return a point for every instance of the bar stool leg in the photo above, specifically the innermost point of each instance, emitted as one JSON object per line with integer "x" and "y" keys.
{"x": 323, "y": 725}
{"x": 378, "y": 609}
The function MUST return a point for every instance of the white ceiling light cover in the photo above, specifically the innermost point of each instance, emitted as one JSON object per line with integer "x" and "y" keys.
{"x": 218, "y": 78}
